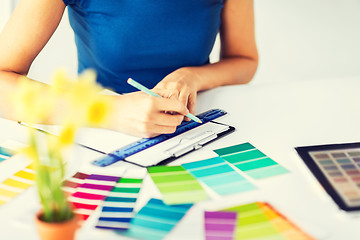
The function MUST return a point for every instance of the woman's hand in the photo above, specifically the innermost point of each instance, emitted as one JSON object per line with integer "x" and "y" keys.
{"x": 142, "y": 115}
{"x": 182, "y": 85}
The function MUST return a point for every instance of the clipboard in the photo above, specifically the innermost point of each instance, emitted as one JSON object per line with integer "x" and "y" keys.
{"x": 160, "y": 150}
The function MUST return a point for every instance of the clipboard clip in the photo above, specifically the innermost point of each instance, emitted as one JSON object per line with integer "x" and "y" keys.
{"x": 188, "y": 144}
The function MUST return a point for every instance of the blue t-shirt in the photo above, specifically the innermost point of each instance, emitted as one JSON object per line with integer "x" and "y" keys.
{"x": 142, "y": 39}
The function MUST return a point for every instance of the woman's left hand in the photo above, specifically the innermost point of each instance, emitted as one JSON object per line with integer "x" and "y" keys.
{"x": 181, "y": 84}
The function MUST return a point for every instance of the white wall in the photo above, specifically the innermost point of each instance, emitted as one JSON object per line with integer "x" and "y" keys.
{"x": 5, "y": 8}
{"x": 297, "y": 40}
{"x": 307, "y": 39}
{"x": 60, "y": 51}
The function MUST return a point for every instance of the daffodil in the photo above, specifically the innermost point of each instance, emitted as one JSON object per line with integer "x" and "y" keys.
{"x": 31, "y": 102}
{"x": 80, "y": 104}
{"x": 67, "y": 134}
{"x": 99, "y": 110}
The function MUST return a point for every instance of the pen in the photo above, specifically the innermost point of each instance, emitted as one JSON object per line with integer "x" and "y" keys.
{"x": 137, "y": 85}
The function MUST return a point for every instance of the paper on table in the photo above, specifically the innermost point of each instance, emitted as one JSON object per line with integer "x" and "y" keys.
{"x": 178, "y": 145}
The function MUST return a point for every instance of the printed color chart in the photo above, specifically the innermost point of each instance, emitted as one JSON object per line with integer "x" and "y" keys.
{"x": 342, "y": 169}
{"x": 156, "y": 219}
{"x": 260, "y": 221}
{"x": 220, "y": 225}
{"x": 16, "y": 184}
{"x": 5, "y": 153}
{"x": 177, "y": 185}
{"x": 251, "y": 161}
{"x": 219, "y": 176}
{"x": 90, "y": 194}
{"x": 117, "y": 209}
{"x": 70, "y": 185}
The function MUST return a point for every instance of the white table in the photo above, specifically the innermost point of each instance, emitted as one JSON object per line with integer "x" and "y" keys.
{"x": 275, "y": 118}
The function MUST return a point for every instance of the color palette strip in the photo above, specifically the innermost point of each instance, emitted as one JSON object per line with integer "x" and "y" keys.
{"x": 5, "y": 153}
{"x": 177, "y": 185}
{"x": 91, "y": 193}
{"x": 117, "y": 209}
{"x": 70, "y": 185}
{"x": 220, "y": 225}
{"x": 219, "y": 176}
{"x": 17, "y": 184}
{"x": 156, "y": 219}
{"x": 260, "y": 221}
{"x": 251, "y": 161}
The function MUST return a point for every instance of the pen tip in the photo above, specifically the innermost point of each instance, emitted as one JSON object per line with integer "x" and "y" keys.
{"x": 199, "y": 121}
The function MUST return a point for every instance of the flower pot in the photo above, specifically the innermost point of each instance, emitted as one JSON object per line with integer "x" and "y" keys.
{"x": 57, "y": 230}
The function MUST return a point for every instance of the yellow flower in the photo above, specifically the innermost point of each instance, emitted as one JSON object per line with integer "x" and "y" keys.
{"x": 31, "y": 102}
{"x": 83, "y": 90}
{"x": 67, "y": 134}
{"x": 61, "y": 81}
{"x": 99, "y": 110}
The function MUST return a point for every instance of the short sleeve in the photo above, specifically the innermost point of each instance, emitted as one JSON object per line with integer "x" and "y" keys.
{"x": 69, "y": 2}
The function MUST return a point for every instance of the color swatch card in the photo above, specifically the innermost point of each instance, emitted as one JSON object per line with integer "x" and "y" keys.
{"x": 337, "y": 168}
{"x": 177, "y": 185}
{"x": 70, "y": 185}
{"x": 219, "y": 176}
{"x": 251, "y": 161}
{"x": 220, "y": 225}
{"x": 16, "y": 184}
{"x": 260, "y": 221}
{"x": 117, "y": 209}
{"x": 5, "y": 153}
{"x": 156, "y": 219}
{"x": 91, "y": 193}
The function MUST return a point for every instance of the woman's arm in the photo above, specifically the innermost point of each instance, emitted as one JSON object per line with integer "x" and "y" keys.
{"x": 24, "y": 36}
{"x": 238, "y": 62}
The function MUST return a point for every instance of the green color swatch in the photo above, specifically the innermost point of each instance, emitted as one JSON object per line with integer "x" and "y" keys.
{"x": 177, "y": 185}
{"x": 219, "y": 176}
{"x": 251, "y": 161}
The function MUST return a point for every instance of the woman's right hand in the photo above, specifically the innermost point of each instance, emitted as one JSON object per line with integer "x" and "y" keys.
{"x": 141, "y": 115}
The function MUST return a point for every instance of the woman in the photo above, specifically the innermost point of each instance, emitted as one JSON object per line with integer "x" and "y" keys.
{"x": 164, "y": 45}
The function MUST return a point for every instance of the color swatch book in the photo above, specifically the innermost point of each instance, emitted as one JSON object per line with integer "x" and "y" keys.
{"x": 219, "y": 176}
{"x": 17, "y": 183}
{"x": 259, "y": 220}
{"x": 177, "y": 185}
{"x": 156, "y": 219}
{"x": 220, "y": 225}
{"x": 337, "y": 168}
{"x": 70, "y": 185}
{"x": 251, "y": 161}
{"x": 5, "y": 153}
{"x": 118, "y": 208}
{"x": 91, "y": 193}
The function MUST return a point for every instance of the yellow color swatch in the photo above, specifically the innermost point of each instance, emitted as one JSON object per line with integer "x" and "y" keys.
{"x": 17, "y": 184}
{"x": 26, "y": 175}
{"x": 32, "y": 166}
{"x": 7, "y": 193}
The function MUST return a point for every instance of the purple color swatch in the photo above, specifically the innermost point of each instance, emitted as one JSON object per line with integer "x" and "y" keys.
{"x": 220, "y": 225}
